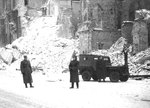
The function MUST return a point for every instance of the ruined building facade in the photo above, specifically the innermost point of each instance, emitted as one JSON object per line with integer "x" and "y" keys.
{"x": 99, "y": 28}
{"x": 9, "y": 22}
{"x": 99, "y": 23}
{"x": 14, "y": 16}
{"x": 104, "y": 21}
{"x": 139, "y": 32}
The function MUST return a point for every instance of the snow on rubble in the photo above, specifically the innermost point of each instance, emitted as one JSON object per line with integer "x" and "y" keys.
{"x": 52, "y": 54}
{"x": 45, "y": 50}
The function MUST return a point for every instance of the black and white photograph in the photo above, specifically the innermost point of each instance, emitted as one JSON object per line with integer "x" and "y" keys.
{"x": 74, "y": 53}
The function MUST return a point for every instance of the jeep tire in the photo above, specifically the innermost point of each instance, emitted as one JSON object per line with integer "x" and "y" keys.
{"x": 124, "y": 78}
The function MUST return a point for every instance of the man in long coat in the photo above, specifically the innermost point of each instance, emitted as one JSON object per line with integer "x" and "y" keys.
{"x": 73, "y": 67}
{"x": 101, "y": 70}
{"x": 26, "y": 71}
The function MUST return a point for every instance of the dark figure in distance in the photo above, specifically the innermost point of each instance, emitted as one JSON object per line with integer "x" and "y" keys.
{"x": 100, "y": 65}
{"x": 73, "y": 68}
{"x": 26, "y": 71}
{"x": 125, "y": 52}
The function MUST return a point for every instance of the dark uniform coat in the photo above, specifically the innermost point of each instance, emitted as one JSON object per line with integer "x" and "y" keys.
{"x": 26, "y": 71}
{"x": 101, "y": 69}
{"x": 73, "y": 68}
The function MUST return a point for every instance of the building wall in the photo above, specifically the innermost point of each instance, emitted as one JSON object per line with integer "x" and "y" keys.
{"x": 108, "y": 15}
{"x": 140, "y": 35}
{"x": 103, "y": 15}
{"x": 104, "y": 38}
{"x": 85, "y": 41}
{"x": 2, "y": 32}
{"x": 102, "y": 12}
{"x": 130, "y": 6}
{"x": 65, "y": 18}
{"x": 1, "y": 22}
{"x": 9, "y": 22}
{"x": 126, "y": 31}
{"x": 1, "y": 7}
{"x": 76, "y": 14}
{"x": 36, "y": 3}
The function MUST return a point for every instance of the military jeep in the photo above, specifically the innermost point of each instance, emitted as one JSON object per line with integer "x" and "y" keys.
{"x": 89, "y": 68}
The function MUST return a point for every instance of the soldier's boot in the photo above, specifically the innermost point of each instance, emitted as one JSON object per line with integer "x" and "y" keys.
{"x": 31, "y": 85}
{"x": 26, "y": 86}
{"x": 77, "y": 84}
{"x": 104, "y": 80}
{"x": 72, "y": 85}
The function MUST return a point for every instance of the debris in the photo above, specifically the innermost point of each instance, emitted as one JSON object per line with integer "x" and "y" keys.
{"x": 46, "y": 51}
{"x": 117, "y": 57}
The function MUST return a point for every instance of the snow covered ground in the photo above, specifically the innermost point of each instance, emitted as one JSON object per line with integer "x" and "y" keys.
{"x": 56, "y": 94}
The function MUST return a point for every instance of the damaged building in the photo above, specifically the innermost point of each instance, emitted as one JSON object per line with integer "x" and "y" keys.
{"x": 69, "y": 17}
{"x": 104, "y": 21}
{"x": 97, "y": 23}
{"x": 10, "y": 28}
{"x": 15, "y": 15}
{"x": 99, "y": 28}
{"x": 140, "y": 30}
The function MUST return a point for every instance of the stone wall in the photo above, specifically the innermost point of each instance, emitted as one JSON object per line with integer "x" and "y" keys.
{"x": 103, "y": 15}
{"x": 126, "y": 31}
{"x": 1, "y": 7}
{"x": 130, "y": 6}
{"x": 1, "y": 23}
{"x": 140, "y": 35}
{"x": 104, "y": 39}
{"x": 2, "y": 32}
{"x": 36, "y": 3}
{"x": 85, "y": 42}
{"x": 141, "y": 30}
{"x": 102, "y": 12}
{"x": 64, "y": 18}
{"x": 9, "y": 22}
{"x": 76, "y": 15}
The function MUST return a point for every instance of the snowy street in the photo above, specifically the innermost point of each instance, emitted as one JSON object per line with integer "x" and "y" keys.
{"x": 56, "y": 94}
{"x": 97, "y": 38}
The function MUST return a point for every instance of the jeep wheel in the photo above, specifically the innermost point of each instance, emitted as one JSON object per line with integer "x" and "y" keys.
{"x": 124, "y": 78}
{"x": 114, "y": 76}
{"x": 86, "y": 76}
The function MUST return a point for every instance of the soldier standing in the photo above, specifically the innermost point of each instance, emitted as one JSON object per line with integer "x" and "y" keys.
{"x": 73, "y": 68}
{"x": 101, "y": 68}
{"x": 125, "y": 52}
{"x": 26, "y": 71}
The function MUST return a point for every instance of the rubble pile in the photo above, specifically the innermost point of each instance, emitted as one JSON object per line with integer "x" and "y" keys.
{"x": 117, "y": 58}
{"x": 139, "y": 63}
{"x": 8, "y": 55}
{"x": 118, "y": 45}
{"x": 45, "y": 50}
{"x": 143, "y": 14}
{"x": 115, "y": 52}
